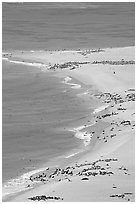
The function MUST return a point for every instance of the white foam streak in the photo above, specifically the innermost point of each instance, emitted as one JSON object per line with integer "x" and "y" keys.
{"x": 4, "y": 58}
{"x": 34, "y": 64}
{"x": 101, "y": 108}
{"x": 72, "y": 155}
{"x": 73, "y": 86}
{"x": 84, "y": 93}
{"x": 83, "y": 135}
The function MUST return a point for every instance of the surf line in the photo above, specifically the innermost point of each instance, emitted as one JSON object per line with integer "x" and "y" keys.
{"x": 34, "y": 64}
{"x": 73, "y": 86}
{"x": 20, "y": 183}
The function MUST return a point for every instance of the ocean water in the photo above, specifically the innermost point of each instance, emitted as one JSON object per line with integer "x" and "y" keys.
{"x": 37, "y": 109}
{"x": 67, "y": 25}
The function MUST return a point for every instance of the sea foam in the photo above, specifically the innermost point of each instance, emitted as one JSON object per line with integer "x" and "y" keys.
{"x": 34, "y": 64}
{"x": 20, "y": 183}
{"x": 73, "y": 86}
{"x": 101, "y": 108}
{"x": 85, "y": 136}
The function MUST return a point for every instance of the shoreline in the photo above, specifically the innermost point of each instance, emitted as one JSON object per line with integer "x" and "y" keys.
{"x": 68, "y": 156}
{"x": 23, "y": 178}
{"x": 5, "y": 51}
{"x": 113, "y": 94}
{"x": 7, "y": 54}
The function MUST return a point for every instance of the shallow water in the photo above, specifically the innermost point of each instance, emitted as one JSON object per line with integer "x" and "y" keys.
{"x": 37, "y": 109}
{"x": 67, "y": 25}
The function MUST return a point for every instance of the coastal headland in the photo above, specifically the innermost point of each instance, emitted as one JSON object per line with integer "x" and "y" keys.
{"x": 106, "y": 170}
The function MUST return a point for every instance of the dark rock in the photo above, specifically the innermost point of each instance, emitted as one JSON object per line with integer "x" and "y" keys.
{"x": 85, "y": 179}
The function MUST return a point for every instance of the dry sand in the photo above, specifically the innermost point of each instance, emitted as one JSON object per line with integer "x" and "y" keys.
{"x": 107, "y": 171}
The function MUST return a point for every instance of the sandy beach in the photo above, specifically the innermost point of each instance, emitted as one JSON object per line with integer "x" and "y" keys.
{"x": 105, "y": 172}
